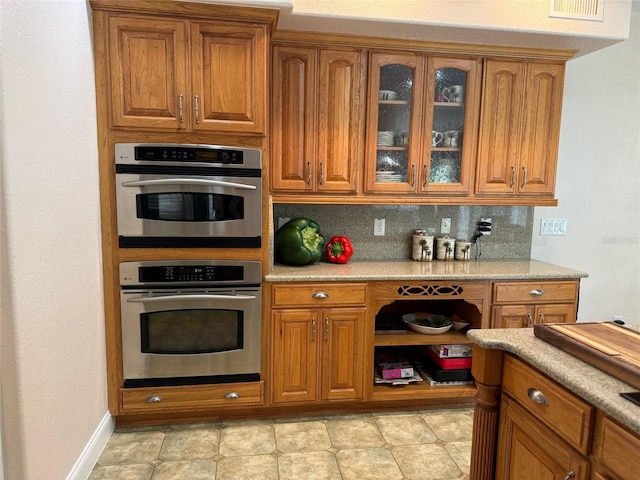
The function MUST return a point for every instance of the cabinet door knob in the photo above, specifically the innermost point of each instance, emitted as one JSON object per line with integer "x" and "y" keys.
{"x": 154, "y": 399}
{"x": 537, "y": 396}
{"x": 536, "y": 292}
{"x": 320, "y": 295}
{"x": 231, "y": 395}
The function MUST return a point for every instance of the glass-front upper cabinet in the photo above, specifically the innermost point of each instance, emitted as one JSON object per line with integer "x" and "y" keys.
{"x": 393, "y": 122}
{"x": 452, "y": 119}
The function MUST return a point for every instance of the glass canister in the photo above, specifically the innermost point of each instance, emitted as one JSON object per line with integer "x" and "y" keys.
{"x": 463, "y": 250}
{"x": 445, "y": 248}
{"x": 422, "y": 250}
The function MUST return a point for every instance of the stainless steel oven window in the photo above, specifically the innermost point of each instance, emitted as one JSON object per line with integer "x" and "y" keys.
{"x": 191, "y": 331}
{"x": 189, "y": 207}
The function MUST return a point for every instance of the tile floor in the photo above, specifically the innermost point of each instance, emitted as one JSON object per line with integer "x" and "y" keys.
{"x": 418, "y": 445}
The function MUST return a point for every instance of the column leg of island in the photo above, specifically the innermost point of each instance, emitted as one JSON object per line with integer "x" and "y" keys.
{"x": 487, "y": 372}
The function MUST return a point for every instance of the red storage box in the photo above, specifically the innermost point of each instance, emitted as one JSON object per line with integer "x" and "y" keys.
{"x": 450, "y": 363}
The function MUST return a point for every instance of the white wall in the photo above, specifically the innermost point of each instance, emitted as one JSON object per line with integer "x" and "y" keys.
{"x": 598, "y": 186}
{"x": 52, "y": 345}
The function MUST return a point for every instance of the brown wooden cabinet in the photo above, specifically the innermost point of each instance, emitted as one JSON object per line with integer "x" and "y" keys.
{"x": 544, "y": 429}
{"x": 615, "y": 451}
{"x": 318, "y": 352}
{"x": 527, "y": 303}
{"x": 406, "y": 108}
{"x": 186, "y": 75}
{"x": 527, "y": 449}
{"x": 519, "y": 127}
{"x": 316, "y": 119}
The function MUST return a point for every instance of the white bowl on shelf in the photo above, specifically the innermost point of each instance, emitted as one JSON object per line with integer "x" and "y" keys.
{"x": 427, "y": 323}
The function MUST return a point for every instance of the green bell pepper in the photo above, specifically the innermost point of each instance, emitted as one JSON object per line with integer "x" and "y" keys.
{"x": 299, "y": 242}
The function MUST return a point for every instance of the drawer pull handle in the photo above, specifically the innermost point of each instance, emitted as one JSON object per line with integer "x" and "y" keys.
{"x": 154, "y": 399}
{"x": 536, "y": 292}
{"x": 231, "y": 395}
{"x": 537, "y": 396}
{"x": 320, "y": 295}
{"x": 570, "y": 475}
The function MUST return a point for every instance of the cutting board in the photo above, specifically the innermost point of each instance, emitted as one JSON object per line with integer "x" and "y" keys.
{"x": 609, "y": 347}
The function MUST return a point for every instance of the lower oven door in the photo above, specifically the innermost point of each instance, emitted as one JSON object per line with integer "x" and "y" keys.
{"x": 192, "y": 211}
{"x": 190, "y": 336}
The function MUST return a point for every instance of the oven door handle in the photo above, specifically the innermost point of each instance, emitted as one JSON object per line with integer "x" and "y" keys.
{"x": 187, "y": 181}
{"x": 173, "y": 298}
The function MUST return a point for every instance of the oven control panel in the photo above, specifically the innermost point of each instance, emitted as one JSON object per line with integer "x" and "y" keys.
{"x": 194, "y": 271}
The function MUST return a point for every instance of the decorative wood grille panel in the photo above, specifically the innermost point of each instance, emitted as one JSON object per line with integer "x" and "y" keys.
{"x": 430, "y": 290}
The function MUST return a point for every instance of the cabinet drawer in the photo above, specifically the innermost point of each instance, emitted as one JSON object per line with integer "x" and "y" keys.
{"x": 191, "y": 397}
{"x": 535, "y": 292}
{"x": 616, "y": 448}
{"x": 318, "y": 295}
{"x": 565, "y": 413}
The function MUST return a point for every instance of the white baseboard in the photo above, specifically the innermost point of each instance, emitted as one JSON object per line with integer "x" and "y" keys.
{"x": 82, "y": 469}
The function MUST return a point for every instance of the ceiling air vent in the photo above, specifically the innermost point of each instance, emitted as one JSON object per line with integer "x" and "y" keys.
{"x": 577, "y": 9}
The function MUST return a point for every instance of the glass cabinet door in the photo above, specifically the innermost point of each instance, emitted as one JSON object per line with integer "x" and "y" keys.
{"x": 453, "y": 109}
{"x": 393, "y": 129}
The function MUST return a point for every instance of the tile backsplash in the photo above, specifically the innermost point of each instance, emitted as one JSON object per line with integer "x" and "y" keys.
{"x": 510, "y": 237}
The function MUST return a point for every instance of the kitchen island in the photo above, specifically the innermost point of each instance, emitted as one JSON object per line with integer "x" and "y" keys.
{"x": 538, "y": 407}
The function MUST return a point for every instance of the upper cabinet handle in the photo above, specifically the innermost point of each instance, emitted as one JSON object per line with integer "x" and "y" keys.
{"x": 537, "y": 396}
{"x": 308, "y": 173}
{"x": 197, "y": 109}
{"x": 536, "y": 292}
{"x": 425, "y": 174}
{"x": 320, "y": 295}
{"x": 180, "y": 108}
{"x": 413, "y": 175}
{"x": 524, "y": 177}
{"x": 570, "y": 475}
{"x": 321, "y": 173}
{"x": 513, "y": 177}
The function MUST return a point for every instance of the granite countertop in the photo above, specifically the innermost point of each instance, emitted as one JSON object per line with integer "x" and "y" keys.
{"x": 411, "y": 270}
{"x": 593, "y": 385}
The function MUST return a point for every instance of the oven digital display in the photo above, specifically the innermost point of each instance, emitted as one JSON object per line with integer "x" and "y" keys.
{"x": 191, "y": 273}
{"x": 190, "y": 154}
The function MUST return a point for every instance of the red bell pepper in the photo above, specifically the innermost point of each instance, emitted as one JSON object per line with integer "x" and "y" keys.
{"x": 339, "y": 249}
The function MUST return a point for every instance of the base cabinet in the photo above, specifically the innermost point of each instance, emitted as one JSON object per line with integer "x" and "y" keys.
{"x": 527, "y": 449}
{"x": 318, "y": 353}
{"x": 525, "y": 304}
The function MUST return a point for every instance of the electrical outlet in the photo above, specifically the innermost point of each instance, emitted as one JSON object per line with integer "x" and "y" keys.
{"x": 445, "y": 225}
{"x": 378, "y": 227}
{"x": 485, "y": 226}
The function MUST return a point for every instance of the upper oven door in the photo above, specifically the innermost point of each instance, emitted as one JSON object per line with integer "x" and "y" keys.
{"x": 188, "y": 210}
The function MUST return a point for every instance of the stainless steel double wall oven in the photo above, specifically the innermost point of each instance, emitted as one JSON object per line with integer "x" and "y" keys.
{"x": 188, "y": 321}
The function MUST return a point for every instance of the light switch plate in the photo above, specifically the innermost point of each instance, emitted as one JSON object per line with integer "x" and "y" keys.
{"x": 445, "y": 225}
{"x": 553, "y": 226}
